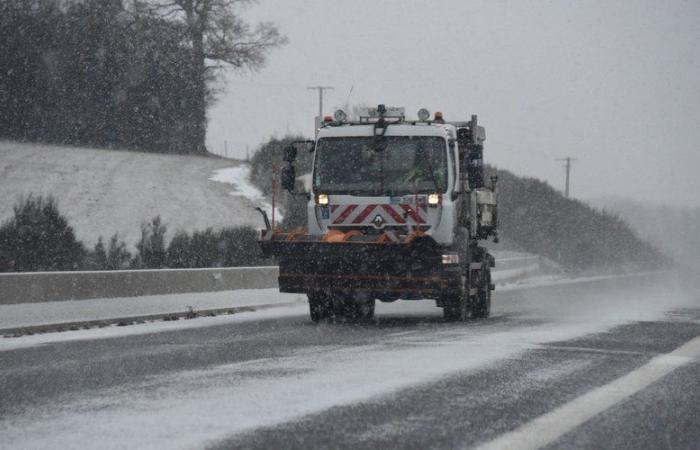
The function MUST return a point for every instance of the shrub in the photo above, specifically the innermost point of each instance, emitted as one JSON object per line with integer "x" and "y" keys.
{"x": 235, "y": 246}
{"x": 204, "y": 249}
{"x": 239, "y": 247}
{"x": 114, "y": 257}
{"x": 118, "y": 257}
{"x": 179, "y": 251}
{"x": 39, "y": 238}
{"x": 151, "y": 246}
{"x": 97, "y": 259}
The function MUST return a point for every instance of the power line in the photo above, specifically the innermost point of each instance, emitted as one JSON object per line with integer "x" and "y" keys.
{"x": 567, "y": 166}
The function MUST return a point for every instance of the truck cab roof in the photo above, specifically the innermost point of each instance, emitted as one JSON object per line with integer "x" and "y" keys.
{"x": 445, "y": 130}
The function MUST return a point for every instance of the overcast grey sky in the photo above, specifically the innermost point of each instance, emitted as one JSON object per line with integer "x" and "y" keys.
{"x": 615, "y": 84}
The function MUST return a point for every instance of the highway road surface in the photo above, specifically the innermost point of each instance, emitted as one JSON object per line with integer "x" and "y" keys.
{"x": 601, "y": 363}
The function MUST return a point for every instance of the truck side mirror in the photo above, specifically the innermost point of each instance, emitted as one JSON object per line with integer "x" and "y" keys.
{"x": 290, "y": 153}
{"x": 288, "y": 177}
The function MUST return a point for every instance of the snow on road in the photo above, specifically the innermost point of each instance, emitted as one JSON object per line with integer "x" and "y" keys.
{"x": 34, "y": 314}
{"x": 264, "y": 297}
{"x": 188, "y": 409}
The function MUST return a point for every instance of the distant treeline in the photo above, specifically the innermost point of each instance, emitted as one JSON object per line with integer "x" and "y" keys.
{"x": 93, "y": 74}
{"x": 539, "y": 219}
{"x": 119, "y": 73}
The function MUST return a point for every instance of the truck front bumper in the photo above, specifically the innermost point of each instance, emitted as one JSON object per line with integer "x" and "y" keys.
{"x": 384, "y": 270}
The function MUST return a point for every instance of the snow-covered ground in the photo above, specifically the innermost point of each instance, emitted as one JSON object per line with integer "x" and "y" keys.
{"x": 238, "y": 178}
{"x": 106, "y": 191}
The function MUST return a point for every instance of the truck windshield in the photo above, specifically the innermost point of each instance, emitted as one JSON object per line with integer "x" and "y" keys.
{"x": 408, "y": 165}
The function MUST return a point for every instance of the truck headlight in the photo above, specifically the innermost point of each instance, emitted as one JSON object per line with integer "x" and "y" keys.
{"x": 322, "y": 199}
{"x": 433, "y": 199}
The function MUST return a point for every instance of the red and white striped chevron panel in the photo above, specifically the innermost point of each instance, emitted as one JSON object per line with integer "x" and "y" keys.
{"x": 400, "y": 214}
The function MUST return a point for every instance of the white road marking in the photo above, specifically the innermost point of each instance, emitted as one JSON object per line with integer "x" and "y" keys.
{"x": 603, "y": 351}
{"x": 549, "y": 427}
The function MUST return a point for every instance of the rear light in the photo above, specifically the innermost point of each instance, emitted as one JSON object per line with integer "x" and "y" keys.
{"x": 328, "y": 119}
{"x": 322, "y": 199}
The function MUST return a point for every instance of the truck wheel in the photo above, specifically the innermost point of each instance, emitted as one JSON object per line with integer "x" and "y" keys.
{"x": 354, "y": 307}
{"x": 365, "y": 308}
{"x": 482, "y": 302}
{"x": 320, "y": 307}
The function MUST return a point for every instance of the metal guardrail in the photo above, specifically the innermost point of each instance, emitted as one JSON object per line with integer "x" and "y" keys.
{"x": 36, "y": 287}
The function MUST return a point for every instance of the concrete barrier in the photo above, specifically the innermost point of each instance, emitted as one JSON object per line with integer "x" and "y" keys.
{"x": 35, "y": 287}
{"x": 32, "y": 287}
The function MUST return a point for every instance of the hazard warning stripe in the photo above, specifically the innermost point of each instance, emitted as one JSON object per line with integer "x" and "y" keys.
{"x": 363, "y": 215}
{"x": 344, "y": 215}
{"x": 393, "y": 213}
{"x": 356, "y": 214}
{"x": 413, "y": 213}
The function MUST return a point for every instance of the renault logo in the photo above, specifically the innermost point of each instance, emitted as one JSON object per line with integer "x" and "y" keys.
{"x": 378, "y": 221}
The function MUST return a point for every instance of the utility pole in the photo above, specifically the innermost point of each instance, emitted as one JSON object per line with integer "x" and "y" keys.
{"x": 567, "y": 166}
{"x": 320, "y": 90}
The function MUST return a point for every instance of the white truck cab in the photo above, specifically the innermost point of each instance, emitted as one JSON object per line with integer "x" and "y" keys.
{"x": 409, "y": 185}
{"x": 396, "y": 210}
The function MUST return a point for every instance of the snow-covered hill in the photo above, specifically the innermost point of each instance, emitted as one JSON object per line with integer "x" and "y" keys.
{"x": 107, "y": 191}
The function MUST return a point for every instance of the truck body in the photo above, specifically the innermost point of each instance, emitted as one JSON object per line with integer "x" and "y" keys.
{"x": 396, "y": 211}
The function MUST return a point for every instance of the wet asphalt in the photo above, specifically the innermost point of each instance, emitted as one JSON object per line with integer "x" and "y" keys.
{"x": 458, "y": 410}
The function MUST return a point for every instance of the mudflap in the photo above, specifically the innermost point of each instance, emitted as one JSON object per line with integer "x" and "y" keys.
{"x": 383, "y": 270}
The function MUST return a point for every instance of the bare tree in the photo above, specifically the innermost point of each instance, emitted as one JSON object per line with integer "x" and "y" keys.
{"x": 218, "y": 38}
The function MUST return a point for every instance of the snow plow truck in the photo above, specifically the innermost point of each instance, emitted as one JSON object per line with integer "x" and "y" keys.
{"x": 396, "y": 210}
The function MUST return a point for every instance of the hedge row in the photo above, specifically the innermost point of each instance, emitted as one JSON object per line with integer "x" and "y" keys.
{"x": 39, "y": 238}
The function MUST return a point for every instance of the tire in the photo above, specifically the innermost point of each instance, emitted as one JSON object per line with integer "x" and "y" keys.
{"x": 320, "y": 307}
{"x": 482, "y": 302}
{"x": 365, "y": 308}
{"x": 456, "y": 309}
{"x": 353, "y": 308}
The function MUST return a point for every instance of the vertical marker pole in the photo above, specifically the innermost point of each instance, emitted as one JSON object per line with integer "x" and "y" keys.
{"x": 274, "y": 191}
